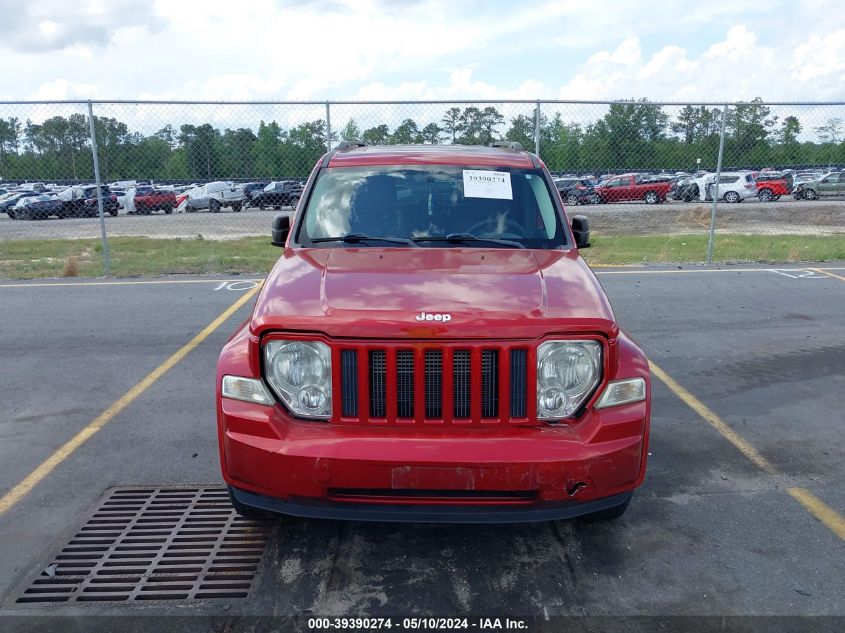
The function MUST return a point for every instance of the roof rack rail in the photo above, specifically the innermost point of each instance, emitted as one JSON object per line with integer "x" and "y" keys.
{"x": 508, "y": 145}
{"x": 350, "y": 144}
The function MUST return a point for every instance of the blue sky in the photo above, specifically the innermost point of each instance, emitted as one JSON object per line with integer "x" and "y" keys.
{"x": 421, "y": 49}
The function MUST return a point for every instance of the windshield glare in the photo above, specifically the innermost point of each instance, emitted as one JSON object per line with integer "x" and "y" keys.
{"x": 415, "y": 202}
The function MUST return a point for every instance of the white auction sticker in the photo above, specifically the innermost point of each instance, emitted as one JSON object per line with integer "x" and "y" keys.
{"x": 480, "y": 183}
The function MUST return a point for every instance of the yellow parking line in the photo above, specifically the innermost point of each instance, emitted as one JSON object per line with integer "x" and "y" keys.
{"x": 614, "y": 265}
{"x": 713, "y": 420}
{"x": 815, "y": 506}
{"x": 36, "y": 476}
{"x": 126, "y": 283}
{"x": 828, "y": 273}
{"x": 820, "y": 510}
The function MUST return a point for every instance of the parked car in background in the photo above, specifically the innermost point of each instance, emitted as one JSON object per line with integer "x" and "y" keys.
{"x": 283, "y": 193}
{"x": 772, "y": 185}
{"x": 81, "y": 202}
{"x": 732, "y": 187}
{"x": 252, "y": 189}
{"x": 829, "y": 185}
{"x": 684, "y": 189}
{"x": 149, "y": 199}
{"x": 8, "y": 201}
{"x": 575, "y": 191}
{"x": 215, "y": 196}
{"x": 628, "y": 187}
{"x": 38, "y": 207}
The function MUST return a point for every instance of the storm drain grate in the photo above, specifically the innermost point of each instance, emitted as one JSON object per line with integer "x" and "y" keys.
{"x": 156, "y": 544}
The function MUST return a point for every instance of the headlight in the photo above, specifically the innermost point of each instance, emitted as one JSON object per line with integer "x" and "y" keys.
{"x": 300, "y": 372}
{"x": 567, "y": 374}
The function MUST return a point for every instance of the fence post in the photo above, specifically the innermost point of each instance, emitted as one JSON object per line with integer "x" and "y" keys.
{"x": 103, "y": 236}
{"x": 712, "y": 236}
{"x": 537, "y": 129}
{"x": 328, "y": 127}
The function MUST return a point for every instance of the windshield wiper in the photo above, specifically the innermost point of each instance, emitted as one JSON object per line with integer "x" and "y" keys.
{"x": 464, "y": 238}
{"x": 360, "y": 238}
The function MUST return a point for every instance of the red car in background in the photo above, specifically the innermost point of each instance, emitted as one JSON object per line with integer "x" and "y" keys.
{"x": 149, "y": 199}
{"x": 629, "y": 187}
{"x": 771, "y": 186}
{"x": 430, "y": 346}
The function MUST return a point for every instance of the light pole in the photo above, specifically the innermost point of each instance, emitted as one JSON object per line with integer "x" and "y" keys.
{"x": 697, "y": 165}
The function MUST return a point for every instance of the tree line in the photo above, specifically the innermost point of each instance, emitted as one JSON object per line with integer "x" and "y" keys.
{"x": 630, "y": 135}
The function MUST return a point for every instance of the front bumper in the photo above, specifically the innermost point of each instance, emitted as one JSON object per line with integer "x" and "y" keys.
{"x": 505, "y": 473}
{"x": 411, "y": 513}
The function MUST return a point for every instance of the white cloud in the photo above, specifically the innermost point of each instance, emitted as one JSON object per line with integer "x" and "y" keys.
{"x": 420, "y": 49}
{"x": 63, "y": 89}
{"x": 737, "y": 67}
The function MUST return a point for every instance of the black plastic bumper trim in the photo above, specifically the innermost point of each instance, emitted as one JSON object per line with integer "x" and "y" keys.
{"x": 392, "y": 513}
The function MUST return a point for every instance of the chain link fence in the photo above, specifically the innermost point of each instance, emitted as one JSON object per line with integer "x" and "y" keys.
{"x": 661, "y": 182}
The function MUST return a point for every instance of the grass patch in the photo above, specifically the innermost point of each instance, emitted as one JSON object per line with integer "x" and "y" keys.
{"x": 664, "y": 249}
{"x": 131, "y": 256}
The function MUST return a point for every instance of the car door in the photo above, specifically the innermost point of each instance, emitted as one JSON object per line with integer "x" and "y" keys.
{"x": 202, "y": 200}
{"x": 829, "y": 185}
{"x": 612, "y": 191}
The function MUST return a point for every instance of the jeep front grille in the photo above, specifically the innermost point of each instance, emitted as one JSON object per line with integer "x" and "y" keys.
{"x": 453, "y": 383}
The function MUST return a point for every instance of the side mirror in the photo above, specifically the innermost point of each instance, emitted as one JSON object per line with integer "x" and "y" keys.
{"x": 281, "y": 228}
{"x": 581, "y": 231}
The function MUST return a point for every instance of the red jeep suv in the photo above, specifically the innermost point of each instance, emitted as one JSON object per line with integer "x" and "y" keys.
{"x": 430, "y": 346}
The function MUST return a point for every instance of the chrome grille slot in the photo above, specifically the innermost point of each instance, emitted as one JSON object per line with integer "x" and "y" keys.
{"x": 433, "y": 383}
{"x": 518, "y": 381}
{"x": 405, "y": 384}
{"x": 489, "y": 383}
{"x": 378, "y": 384}
{"x": 461, "y": 384}
{"x": 349, "y": 382}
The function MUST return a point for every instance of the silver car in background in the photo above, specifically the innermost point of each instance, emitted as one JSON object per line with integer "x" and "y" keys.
{"x": 215, "y": 196}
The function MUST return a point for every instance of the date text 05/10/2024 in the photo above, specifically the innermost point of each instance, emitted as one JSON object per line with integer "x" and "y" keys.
{"x": 416, "y": 624}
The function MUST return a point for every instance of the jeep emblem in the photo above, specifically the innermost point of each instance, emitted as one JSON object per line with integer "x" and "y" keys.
{"x": 429, "y": 316}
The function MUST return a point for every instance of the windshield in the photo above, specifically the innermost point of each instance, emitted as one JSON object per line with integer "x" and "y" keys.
{"x": 417, "y": 202}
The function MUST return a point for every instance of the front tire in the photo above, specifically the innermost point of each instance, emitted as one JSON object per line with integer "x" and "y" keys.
{"x": 236, "y": 207}
{"x": 293, "y": 203}
{"x": 652, "y": 198}
{"x": 765, "y": 195}
{"x": 572, "y": 200}
{"x": 214, "y": 206}
{"x": 731, "y": 197}
{"x": 810, "y": 194}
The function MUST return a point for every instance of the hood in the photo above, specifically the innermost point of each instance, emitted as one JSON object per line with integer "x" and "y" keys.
{"x": 389, "y": 293}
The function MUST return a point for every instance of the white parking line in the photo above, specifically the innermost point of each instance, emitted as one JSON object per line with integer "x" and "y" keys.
{"x": 714, "y": 270}
{"x": 249, "y": 283}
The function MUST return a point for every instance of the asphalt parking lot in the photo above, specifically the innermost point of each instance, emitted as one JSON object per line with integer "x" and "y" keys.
{"x": 740, "y": 514}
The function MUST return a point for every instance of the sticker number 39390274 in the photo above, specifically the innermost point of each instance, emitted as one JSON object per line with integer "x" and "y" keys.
{"x": 480, "y": 183}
